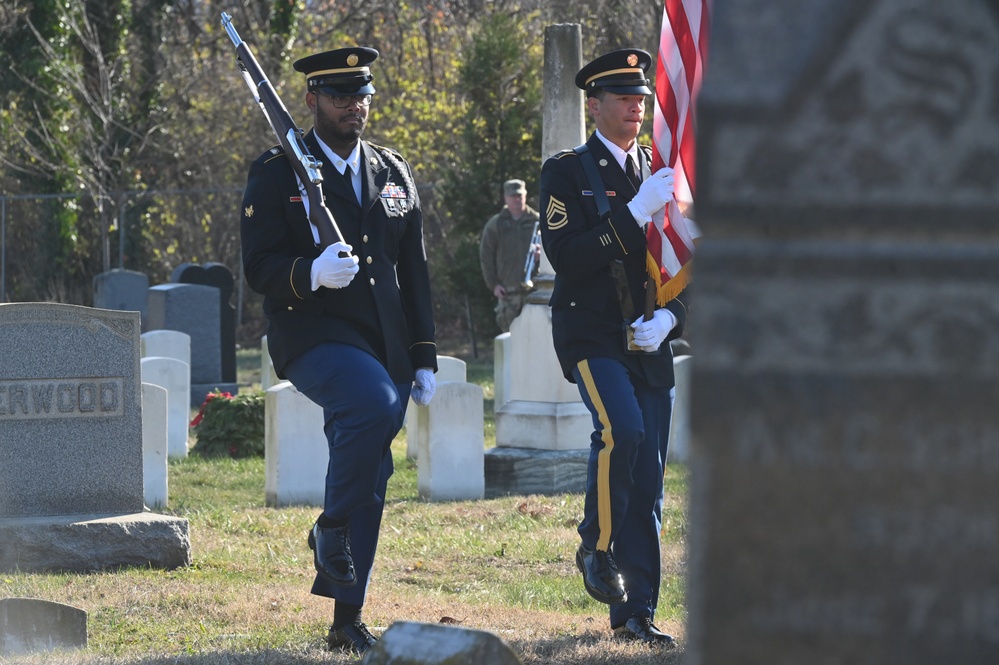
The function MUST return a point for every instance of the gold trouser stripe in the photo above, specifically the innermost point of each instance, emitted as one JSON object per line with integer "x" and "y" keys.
{"x": 603, "y": 459}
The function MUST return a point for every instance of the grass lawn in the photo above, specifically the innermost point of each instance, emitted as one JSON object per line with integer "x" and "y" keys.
{"x": 503, "y": 565}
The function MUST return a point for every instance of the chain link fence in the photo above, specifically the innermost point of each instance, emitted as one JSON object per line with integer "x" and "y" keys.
{"x": 53, "y": 245}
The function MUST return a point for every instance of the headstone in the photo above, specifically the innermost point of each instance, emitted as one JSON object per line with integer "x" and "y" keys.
{"x": 679, "y": 424}
{"x": 174, "y": 376}
{"x": 154, "y": 446}
{"x": 219, "y": 276}
{"x": 452, "y": 444}
{"x": 70, "y": 411}
{"x": 449, "y": 370}
{"x": 411, "y": 643}
{"x": 501, "y": 370}
{"x": 122, "y": 290}
{"x": 31, "y": 625}
{"x": 71, "y": 450}
{"x": 166, "y": 344}
{"x": 268, "y": 377}
{"x": 296, "y": 452}
{"x": 845, "y": 452}
{"x": 193, "y": 309}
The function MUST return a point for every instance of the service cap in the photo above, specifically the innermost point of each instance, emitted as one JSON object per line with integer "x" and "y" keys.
{"x": 341, "y": 72}
{"x": 621, "y": 72}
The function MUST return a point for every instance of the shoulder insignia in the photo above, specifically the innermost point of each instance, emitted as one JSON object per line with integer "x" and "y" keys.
{"x": 248, "y": 211}
{"x": 564, "y": 153}
{"x": 382, "y": 148}
{"x": 273, "y": 153}
{"x": 555, "y": 215}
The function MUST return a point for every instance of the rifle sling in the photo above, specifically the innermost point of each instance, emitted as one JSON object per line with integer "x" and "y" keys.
{"x": 603, "y": 209}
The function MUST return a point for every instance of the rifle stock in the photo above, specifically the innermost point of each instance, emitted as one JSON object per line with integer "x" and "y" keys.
{"x": 307, "y": 167}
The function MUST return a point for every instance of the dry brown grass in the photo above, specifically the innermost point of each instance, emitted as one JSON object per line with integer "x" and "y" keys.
{"x": 501, "y": 565}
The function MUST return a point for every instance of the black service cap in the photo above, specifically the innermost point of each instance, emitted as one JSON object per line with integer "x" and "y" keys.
{"x": 343, "y": 71}
{"x": 621, "y": 72}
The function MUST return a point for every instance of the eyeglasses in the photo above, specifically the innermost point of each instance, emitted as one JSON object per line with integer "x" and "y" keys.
{"x": 346, "y": 101}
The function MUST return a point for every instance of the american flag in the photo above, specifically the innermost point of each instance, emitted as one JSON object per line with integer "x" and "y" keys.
{"x": 683, "y": 44}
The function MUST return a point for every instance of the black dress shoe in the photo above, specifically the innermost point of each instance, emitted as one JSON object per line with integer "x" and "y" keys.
{"x": 600, "y": 575}
{"x": 354, "y": 637}
{"x": 331, "y": 553}
{"x": 642, "y": 629}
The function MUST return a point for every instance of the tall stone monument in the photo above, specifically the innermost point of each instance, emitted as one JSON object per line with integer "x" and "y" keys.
{"x": 71, "y": 478}
{"x": 543, "y": 430}
{"x": 845, "y": 452}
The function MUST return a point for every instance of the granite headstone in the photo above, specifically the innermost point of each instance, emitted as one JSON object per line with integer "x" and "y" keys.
{"x": 71, "y": 468}
{"x": 219, "y": 276}
{"x": 193, "y": 309}
{"x": 123, "y": 290}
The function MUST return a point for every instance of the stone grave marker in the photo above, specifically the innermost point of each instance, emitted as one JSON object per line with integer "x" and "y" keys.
{"x": 413, "y": 643}
{"x": 193, "y": 309}
{"x": 71, "y": 479}
{"x": 31, "y": 625}
{"x": 123, "y": 290}
{"x": 219, "y": 276}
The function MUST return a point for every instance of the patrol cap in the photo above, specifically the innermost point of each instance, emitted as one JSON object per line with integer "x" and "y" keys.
{"x": 620, "y": 72}
{"x": 343, "y": 71}
{"x": 514, "y": 187}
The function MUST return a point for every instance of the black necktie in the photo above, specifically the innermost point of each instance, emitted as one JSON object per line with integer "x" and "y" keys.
{"x": 629, "y": 168}
{"x": 349, "y": 179}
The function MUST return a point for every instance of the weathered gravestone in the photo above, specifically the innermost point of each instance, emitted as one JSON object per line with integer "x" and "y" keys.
{"x": 123, "y": 290}
{"x": 30, "y": 625}
{"x": 71, "y": 485}
{"x": 412, "y": 643}
{"x": 219, "y": 276}
{"x": 845, "y": 456}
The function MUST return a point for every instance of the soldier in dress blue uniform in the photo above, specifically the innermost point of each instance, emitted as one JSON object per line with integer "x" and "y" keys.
{"x": 599, "y": 258}
{"x": 350, "y": 325}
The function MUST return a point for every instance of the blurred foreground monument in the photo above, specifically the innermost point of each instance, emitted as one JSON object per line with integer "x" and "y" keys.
{"x": 845, "y": 461}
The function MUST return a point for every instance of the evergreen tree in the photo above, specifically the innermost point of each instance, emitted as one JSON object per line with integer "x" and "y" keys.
{"x": 501, "y": 139}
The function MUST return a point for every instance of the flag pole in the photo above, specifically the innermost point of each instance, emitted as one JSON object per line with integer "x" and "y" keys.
{"x": 650, "y": 298}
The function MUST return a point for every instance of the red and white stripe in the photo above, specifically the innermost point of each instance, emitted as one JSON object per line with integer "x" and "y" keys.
{"x": 683, "y": 44}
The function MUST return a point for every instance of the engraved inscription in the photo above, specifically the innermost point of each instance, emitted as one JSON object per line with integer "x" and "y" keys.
{"x": 43, "y": 399}
{"x": 912, "y": 610}
{"x": 915, "y": 78}
{"x": 848, "y": 614}
{"x": 929, "y": 530}
{"x": 858, "y": 444}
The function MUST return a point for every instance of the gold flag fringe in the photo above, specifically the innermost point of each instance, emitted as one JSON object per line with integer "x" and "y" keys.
{"x": 672, "y": 288}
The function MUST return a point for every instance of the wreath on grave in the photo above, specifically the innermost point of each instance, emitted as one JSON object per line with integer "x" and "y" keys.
{"x": 230, "y": 425}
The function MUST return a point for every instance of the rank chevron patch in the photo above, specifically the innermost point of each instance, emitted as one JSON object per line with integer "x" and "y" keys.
{"x": 556, "y": 215}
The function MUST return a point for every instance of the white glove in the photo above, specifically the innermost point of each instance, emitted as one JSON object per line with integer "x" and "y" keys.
{"x": 653, "y": 195}
{"x": 333, "y": 271}
{"x": 650, "y": 334}
{"x": 424, "y": 386}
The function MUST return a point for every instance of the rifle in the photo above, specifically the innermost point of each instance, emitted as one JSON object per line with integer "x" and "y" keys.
{"x": 307, "y": 167}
